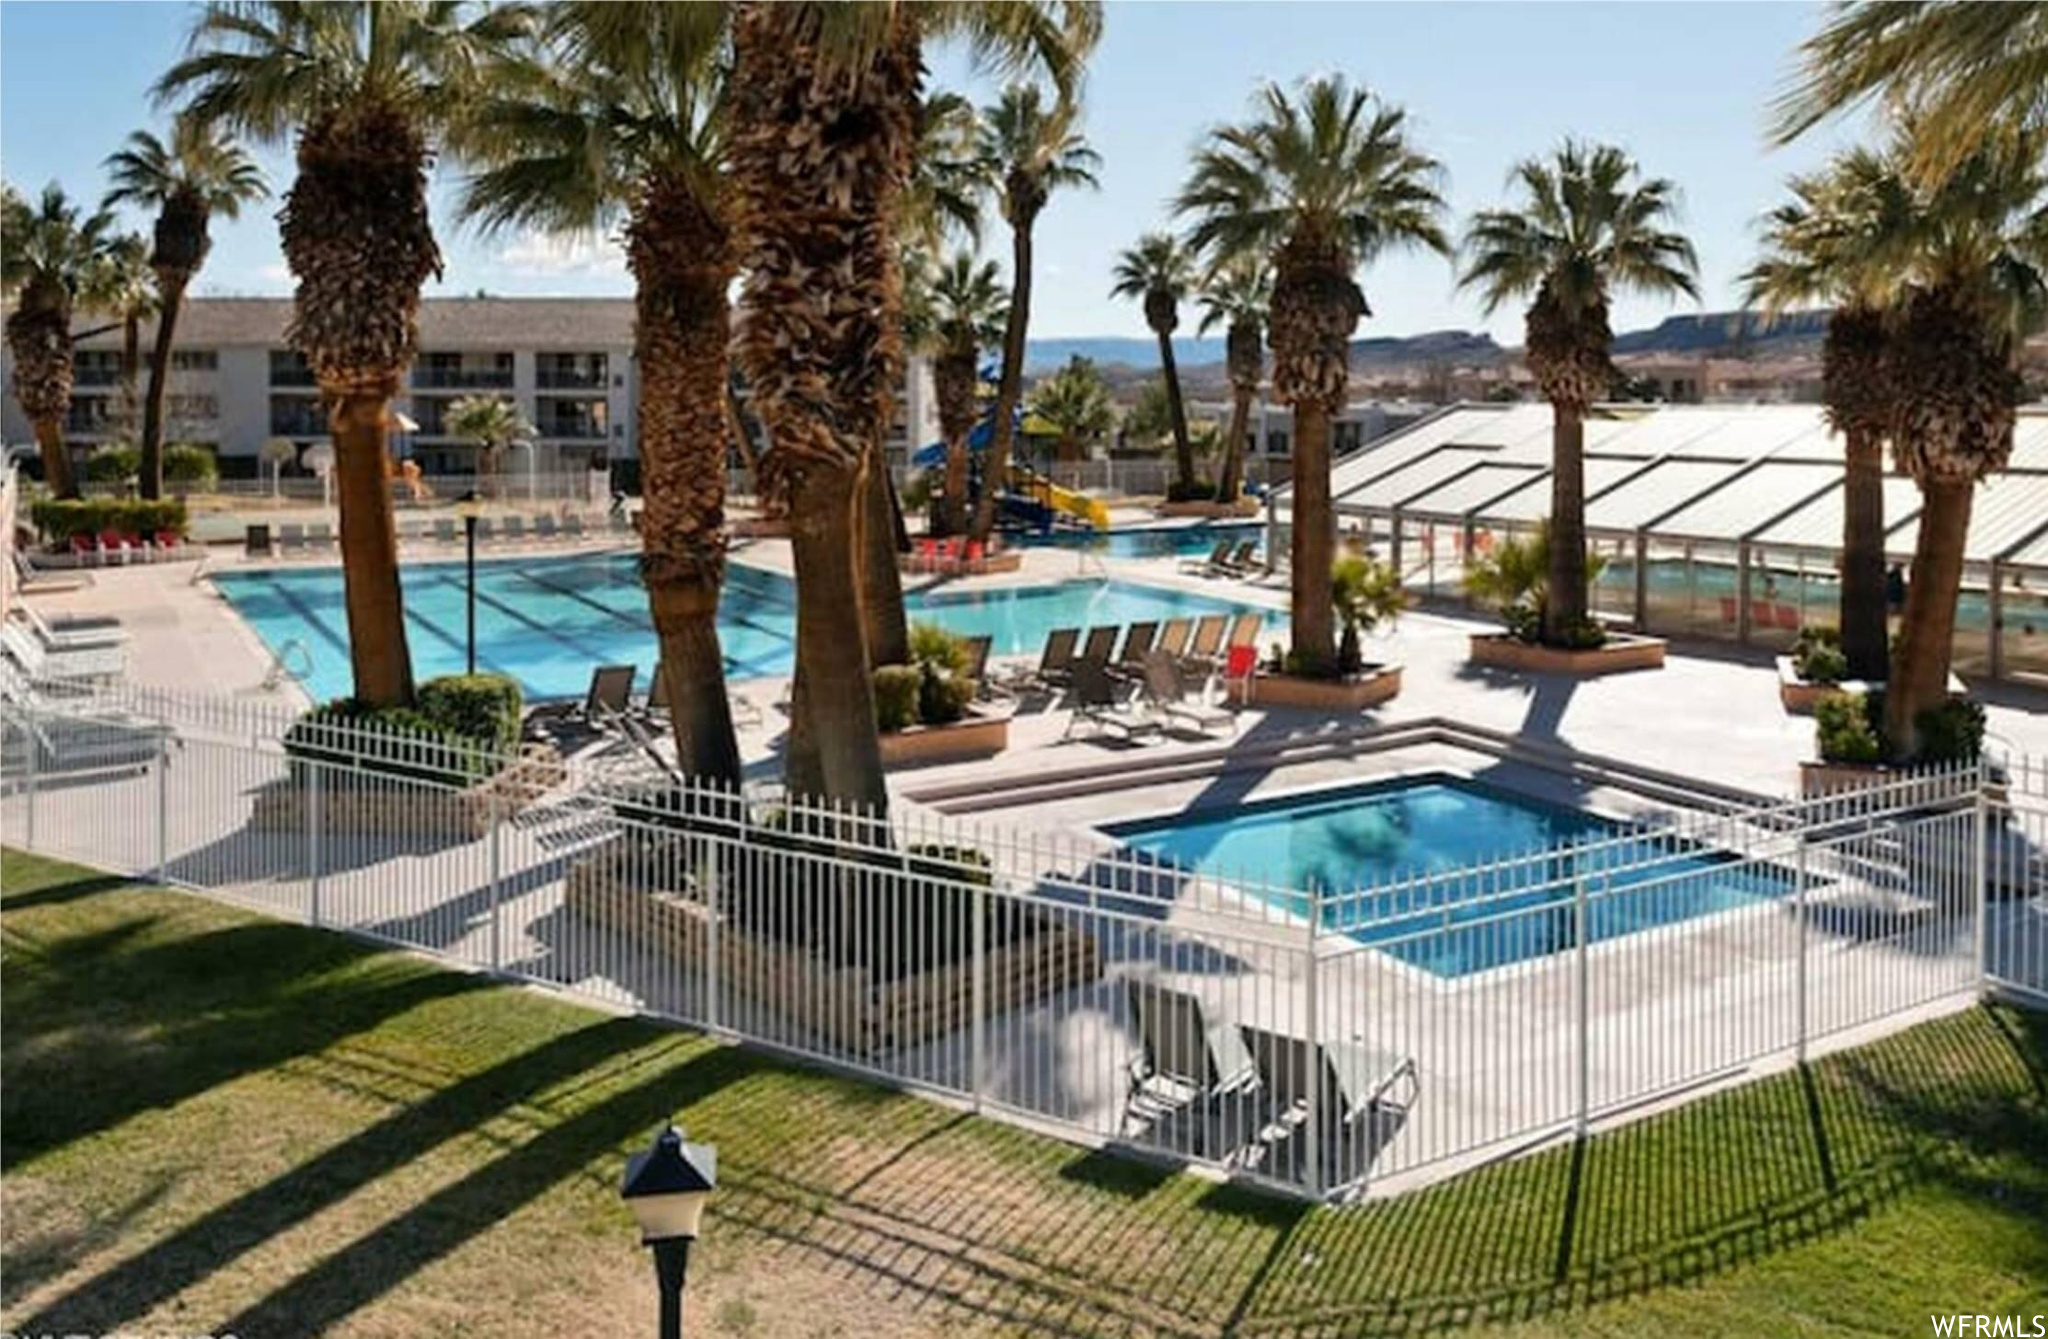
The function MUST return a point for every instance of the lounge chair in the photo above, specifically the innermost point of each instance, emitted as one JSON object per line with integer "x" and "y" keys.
{"x": 411, "y": 531}
{"x": 41, "y": 662}
{"x": 515, "y": 530}
{"x": 291, "y": 540}
{"x": 1138, "y": 639}
{"x": 976, "y": 668}
{"x": 617, "y": 523}
{"x": 656, "y": 701}
{"x": 320, "y": 537}
{"x": 1101, "y": 703}
{"x": 444, "y": 530}
{"x": 1101, "y": 645}
{"x": 1189, "y": 1056}
{"x": 1207, "y": 645}
{"x": 256, "y": 541}
{"x": 1169, "y": 695}
{"x": 610, "y": 694}
{"x": 1209, "y": 565}
{"x": 1242, "y": 561}
{"x": 34, "y": 581}
{"x": 73, "y": 633}
{"x": 1173, "y": 636}
{"x": 1055, "y": 663}
{"x": 544, "y": 527}
{"x": 572, "y": 527}
{"x": 1355, "y": 1080}
{"x": 485, "y": 531}
{"x": 1244, "y": 630}
{"x": 1788, "y": 617}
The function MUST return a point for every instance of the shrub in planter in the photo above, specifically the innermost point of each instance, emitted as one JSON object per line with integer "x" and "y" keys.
{"x": 1512, "y": 577}
{"x": 1817, "y": 655}
{"x": 189, "y": 466}
{"x": 1366, "y": 593}
{"x": 460, "y": 729}
{"x": 60, "y": 519}
{"x": 942, "y": 696}
{"x": 931, "y": 644}
{"x": 1952, "y": 732}
{"x": 1196, "y": 489}
{"x": 113, "y": 463}
{"x": 896, "y": 693}
{"x": 1845, "y": 729}
{"x": 483, "y": 707}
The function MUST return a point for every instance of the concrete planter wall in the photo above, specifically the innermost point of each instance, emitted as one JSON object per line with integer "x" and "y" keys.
{"x": 1214, "y": 511}
{"x": 1622, "y": 651}
{"x": 976, "y": 736}
{"x": 846, "y": 1006}
{"x": 1368, "y": 688}
{"x": 1798, "y": 696}
{"x": 1010, "y": 560}
{"x": 401, "y": 807}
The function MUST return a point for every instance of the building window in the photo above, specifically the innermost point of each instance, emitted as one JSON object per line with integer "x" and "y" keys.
{"x": 297, "y": 416}
{"x": 570, "y": 371}
{"x": 91, "y": 414}
{"x": 1278, "y": 442}
{"x": 204, "y": 407}
{"x": 96, "y": 367}
{"x": 195, "y": 360}
{"x": 443, "y": 370}
{"x": 579, "y": 419}
{"x": 288, "y": 368}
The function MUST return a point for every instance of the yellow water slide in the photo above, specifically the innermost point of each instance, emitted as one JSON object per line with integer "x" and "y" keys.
{"x": 1088, "y": 510}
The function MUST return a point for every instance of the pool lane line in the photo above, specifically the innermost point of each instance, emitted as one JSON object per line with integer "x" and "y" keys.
{"x": 583, "y": 652}
{"x": 637, "y": 625}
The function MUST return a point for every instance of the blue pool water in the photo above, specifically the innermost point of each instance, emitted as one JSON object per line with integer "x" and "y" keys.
{"x": 547, "y": 621}
{"x": 1339, "y": 841}
{"x": 1152, "y": 541}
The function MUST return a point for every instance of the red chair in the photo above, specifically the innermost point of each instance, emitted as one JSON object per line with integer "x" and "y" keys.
{"x": 1788, "y": 617}
{"x": 974, "y": 551}
{"x": 169, "y": 541}
{"x": 111, "y": 544}
{"x": 138, "y": 547}
{"x": 926, "y": 555}
{"x": 85, "y": 548}
{"x": 1240, "y": 668}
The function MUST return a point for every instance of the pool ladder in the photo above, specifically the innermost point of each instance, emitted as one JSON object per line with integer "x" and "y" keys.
{"x": 281, "y": 667}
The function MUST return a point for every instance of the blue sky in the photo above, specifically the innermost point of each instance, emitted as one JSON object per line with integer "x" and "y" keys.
{"x": 1682, "y": 86}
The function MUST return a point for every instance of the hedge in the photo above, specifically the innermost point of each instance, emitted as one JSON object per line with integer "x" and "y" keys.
{"x": 460, "y": 731}
{"x": 60, "y": 519}
{"x": 188, "y": 464}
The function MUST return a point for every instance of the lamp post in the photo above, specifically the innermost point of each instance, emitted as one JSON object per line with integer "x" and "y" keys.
{"x": 469, "y": 507}
{"x": 666, "y": 1187}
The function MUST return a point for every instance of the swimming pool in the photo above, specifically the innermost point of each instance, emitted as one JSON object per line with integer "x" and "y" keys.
{"x": 1367, "y": 837}
{"x": 547, "y": 620}
{"x": 1151, "y": 541}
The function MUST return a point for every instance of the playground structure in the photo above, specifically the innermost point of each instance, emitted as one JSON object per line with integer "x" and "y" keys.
{"x": 1029, "y": 500}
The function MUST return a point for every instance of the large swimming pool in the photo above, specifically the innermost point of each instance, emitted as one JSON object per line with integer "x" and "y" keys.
{"x": 1367, "y": 837}
{"x": 547, "y": 621}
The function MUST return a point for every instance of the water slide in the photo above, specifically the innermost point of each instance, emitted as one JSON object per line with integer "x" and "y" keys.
{"x": 1063, "y": 501}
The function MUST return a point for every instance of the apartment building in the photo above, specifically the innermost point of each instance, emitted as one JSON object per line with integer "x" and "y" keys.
{"x": 236, "y": 383}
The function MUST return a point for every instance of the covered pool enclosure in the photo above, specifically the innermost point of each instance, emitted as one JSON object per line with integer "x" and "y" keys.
{"x": 1720, "y": 521}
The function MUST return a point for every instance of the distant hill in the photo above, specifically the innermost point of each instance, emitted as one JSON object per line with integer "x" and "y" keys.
{"x": 1706, "y": 332}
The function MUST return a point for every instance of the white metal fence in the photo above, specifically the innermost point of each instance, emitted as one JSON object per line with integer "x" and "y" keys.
{"x": 1314, "y": 1042}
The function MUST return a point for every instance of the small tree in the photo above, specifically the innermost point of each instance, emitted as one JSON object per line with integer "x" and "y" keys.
{"x": 492, "y": 423}
{"x": 1365, "y": 593}
{"x": 277, "y": 452}
{"x": 1514, "y": 578}
{"x": 1075, "y": 401}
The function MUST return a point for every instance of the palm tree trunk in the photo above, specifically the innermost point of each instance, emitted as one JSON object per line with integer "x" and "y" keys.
{"x": 1183, "y": 449}
{"x": 56, "y": 457}
{"x": 1918, "y": 680}
{"x": 955, "y": 513}
{"x": 881, "y": 583}
{"x": 1314, "y": 544}
{"x": 378, "y": 653}
{"x": 1234, "y": 447}
{"x": 1564, "y": 609}
{"x": 836, "y": 694}
{"x": 173, "y": 283}
{"x": 1863, "y": 600}
{"x": 1010, "y": 387}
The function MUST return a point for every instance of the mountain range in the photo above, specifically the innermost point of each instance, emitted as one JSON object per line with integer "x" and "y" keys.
{"x": 1706, "y": 332}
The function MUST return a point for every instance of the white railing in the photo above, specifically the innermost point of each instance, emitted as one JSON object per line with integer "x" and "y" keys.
{"x": 1315, "y": 1042}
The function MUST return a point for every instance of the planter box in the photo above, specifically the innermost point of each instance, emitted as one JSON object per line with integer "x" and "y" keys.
{"x": 847, "y": 1006}
{"x": 406, "y": 807}
{"x": 1244, "y": 507}
{"x": 1368, "y": 688}
{"x": 911, "y": 564}
{"x": 976, "y": 736}
{"x": 1622, "y": 651}
{"x": 1834, "y": 778}
{"x": 1798, "y": 696}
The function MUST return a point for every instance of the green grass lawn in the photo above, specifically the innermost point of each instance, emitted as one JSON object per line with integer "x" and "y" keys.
{"x": 211, "y": 1122}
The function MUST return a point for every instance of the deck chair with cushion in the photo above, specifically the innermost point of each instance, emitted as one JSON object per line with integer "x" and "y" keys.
{"x": 1173, "y": 636}
{"x": 320, "y": 537}
{"x": 515, "y": 530}
{"x": 1189, "y": 1056}
{"x": 1103, "y": 704}
{"x": 1138, "y": 639}
{"x": 1054, "y": 665}
{"x": 1101, "y": 644}
{"x": 1244, "y": 629}
{"x": 73, "y": 633}
{"x": 544, "y": 527}
{"x": 1205, "y": 648}
{"x": 1169, "y": 695}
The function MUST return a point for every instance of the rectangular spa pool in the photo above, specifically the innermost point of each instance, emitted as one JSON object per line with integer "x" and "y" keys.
{"x": 546, "y": 621}
{"x": 1358, "y": 839}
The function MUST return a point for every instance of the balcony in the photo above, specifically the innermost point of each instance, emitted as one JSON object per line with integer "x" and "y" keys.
{"x": 297, "y": 418}
{"x": 288, "y": 368}
{"x": 96, "y": 367}
{"x": 457, "y": 372}
{"x": 573, "y": 420}
{"x": 91, "y": 415}
{"x": 570, "y": 371}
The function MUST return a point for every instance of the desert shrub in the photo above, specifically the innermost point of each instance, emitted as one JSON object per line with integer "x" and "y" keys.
{"x": 1513, "y": 577}
{"x": 483, "y": 707}
{"x": 1817, "y": 655}
{"x": 896, "y": 694}
{"x": 931, "y": 644}
{"x": 1366, "y": 593}
{"x": 60, "y": 519}
{"x": 190, "y": 466}
{"x": 459, "y": 731}
{"x": 1845, "y": 728}
{"x": 1951, "y": 732}
{"x": 112, "y": 463}
{"x": 942, "y": 696}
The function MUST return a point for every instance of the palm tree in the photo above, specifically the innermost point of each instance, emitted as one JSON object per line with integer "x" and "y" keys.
{"x": 1961, "y": 68}
{"x": 824, "y": 129}
{"x": 1033, "y": 149}
{"x": 1586, "y": 227}
{"x": 48, "y": 253}
{"x": 199, "y": 174}
{"x": 1159, "y": 271}
{"x": 1314, "y": 184}
{"x": 1236, "y": 296}
{"x": 624, "y": 122}
{"x": 1075, "y": 401}
{"x": 1830, "y": 245}
{"x": 119, "y": 284}
{"x": 964, "y": 309}
{"x": 367, "y": 85}
{"x": 493, "y": 423}
{"x": 1976, "y": 251}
